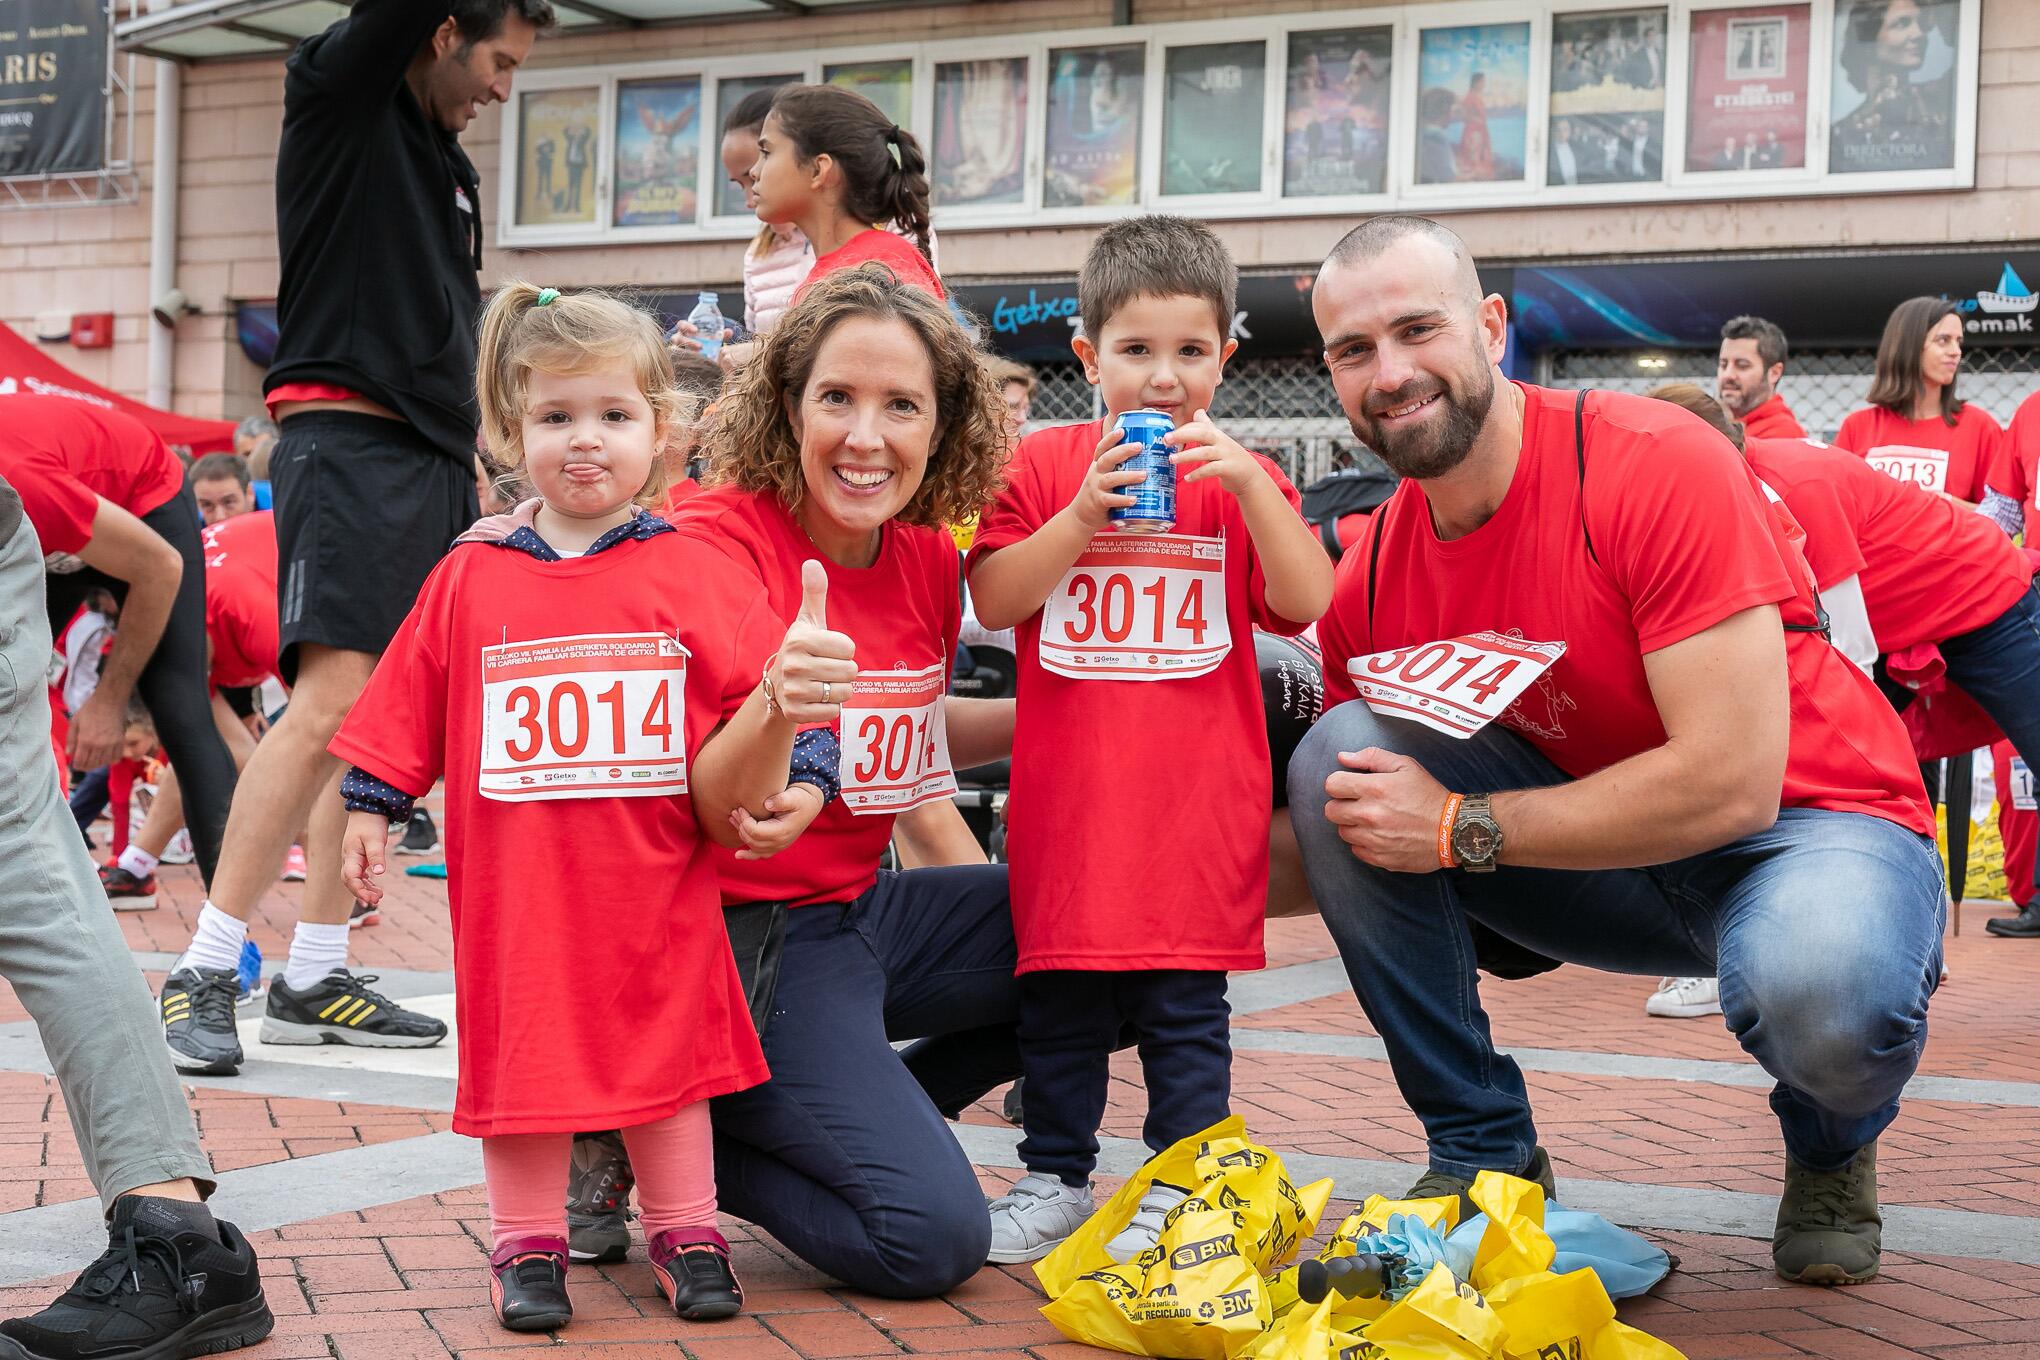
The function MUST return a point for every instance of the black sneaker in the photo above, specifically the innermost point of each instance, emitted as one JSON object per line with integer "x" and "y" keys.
{"x": 598, "y": 1199}
{"x": 125, "y": 892}
{"x": 363, "y": 915}
{"x": 692, "y": 1266}
{"x": 198, "y": 1020}
{"x": 1436, "y": 1184}
{"x": 2024, "y": 926}
{"x": 420, "y": 836}
{"x": 340, "y": 1009}
{"x": 528, "y": 1284}
{"x": 174, "y": 1282}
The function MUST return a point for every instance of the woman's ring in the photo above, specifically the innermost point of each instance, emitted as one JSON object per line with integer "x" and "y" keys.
{"x": 825, "y": 693}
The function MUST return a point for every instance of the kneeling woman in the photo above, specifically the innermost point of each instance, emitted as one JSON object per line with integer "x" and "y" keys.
{"x": 864, "y": 424}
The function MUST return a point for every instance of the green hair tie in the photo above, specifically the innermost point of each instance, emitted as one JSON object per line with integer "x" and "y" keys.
{"x": 547, "y": 297}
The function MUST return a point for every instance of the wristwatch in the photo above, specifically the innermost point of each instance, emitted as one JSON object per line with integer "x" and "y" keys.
{"x": 1476, "y": 836}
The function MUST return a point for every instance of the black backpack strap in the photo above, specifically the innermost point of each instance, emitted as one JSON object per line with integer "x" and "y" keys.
{"x": 1328, "y": 534}
{"x": 1579, "y": 436}
{"x": 1373, "y": 566}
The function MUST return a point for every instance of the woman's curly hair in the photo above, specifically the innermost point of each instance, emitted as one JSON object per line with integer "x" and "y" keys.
{"x": 750, "y": 440}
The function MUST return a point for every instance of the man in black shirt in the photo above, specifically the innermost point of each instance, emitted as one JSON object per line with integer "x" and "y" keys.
{"x": 379, "y": 217}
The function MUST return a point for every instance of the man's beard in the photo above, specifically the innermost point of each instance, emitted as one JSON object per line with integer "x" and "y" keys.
{"x": 1745, "y": 401}
{"x": 1437, "y": 445}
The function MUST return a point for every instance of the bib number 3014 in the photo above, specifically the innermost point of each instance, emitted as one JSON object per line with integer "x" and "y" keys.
{"x": 1457, "y": 686}
{"x": 895, "y": 744}
{"x": 594, "y": 716}
{"x": 1145, "y": 608}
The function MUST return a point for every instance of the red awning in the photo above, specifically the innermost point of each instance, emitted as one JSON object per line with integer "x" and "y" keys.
{"x": 25, "y": 370}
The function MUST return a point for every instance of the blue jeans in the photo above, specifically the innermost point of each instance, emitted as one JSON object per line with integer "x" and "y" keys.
{"x": 843, "y": 1155}
{"x": 1825, "y": 932}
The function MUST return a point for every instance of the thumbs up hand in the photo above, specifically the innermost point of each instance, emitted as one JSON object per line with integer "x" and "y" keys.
{"x": 815, "y": 669}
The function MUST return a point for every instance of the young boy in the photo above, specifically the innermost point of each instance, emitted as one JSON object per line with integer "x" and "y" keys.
{"x": 1140, "y": 759}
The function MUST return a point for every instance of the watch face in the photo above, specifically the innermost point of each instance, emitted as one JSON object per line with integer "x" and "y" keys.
{"x": 1474, "y": 842}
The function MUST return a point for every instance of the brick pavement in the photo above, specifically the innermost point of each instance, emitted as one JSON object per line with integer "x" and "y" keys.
{"x": 403, "y": 1279}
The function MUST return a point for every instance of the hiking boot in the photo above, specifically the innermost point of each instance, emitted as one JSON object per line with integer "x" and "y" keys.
{"x": 1144, "y": 1229}
{"x": 1685, "y": 998}
{"x": 1829, "y": 1230}
{"x": 528, "y": 1284}
{"x": 1436, "y": 1184}
{"x": 198, "y": 1020}
{"x": 598, "y": 1199}
{"x": 124, "y": 891}
{"x": 174, "y": 1282}
{"x": 692, "y": 1266}
{"x": 1032, "y": 1219}
{"x": 340, "y": 1009}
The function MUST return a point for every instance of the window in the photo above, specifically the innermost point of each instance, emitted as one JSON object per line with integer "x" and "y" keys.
{"x": 556, "y": 170}
{"x": 1473, "y": 102}
{"x": 1607, "y": 98}
{"x": 888, "y": 84}
{"x": 1335, "y": 113}
{"x": 730, "y": 92}
{"x": 658, "y": 152}
{"x": 1094, "y": 105}
{"x": 1214, "y": 102}
{"x": 979, "y": 155}
{"x": 1891, "y": 94}
{"x": 1746, "y": 97}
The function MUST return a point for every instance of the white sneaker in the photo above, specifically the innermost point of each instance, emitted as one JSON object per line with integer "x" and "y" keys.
{"x": 1145, "y": 1228}
{"x": 1032, "y": 1219}
{"x": 179, "y": 850}
{"x": 1685, "y": 998}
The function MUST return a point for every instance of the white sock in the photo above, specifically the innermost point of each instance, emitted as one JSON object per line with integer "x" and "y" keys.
{"x": 216, "y": 943}
{"x": 315, "y": 952}
{"x": 138, "y": 861}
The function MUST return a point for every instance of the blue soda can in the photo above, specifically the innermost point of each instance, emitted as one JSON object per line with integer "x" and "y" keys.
{"x": 1154, "y": 501}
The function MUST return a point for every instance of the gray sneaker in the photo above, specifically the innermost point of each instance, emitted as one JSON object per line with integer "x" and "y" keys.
{"x": 1145, "y": 1228}
{"x": 598, "y": 1199}
{"x": 198, "y": 1020}
{"x": 1829, "y": 1228}
{"x": 1032, "y": 1219}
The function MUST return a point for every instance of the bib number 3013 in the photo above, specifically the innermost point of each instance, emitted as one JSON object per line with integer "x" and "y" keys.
{"x": 1146, "y": 608}
{"x": 1457, "y": 686}
{"x": 595, "y": 716}
{"x": 895, "y": 745}
{"x": 1924, "y": 468}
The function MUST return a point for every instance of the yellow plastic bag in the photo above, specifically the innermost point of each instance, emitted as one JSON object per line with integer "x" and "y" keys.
{"x": 1441, "y": 1319}
{"x": 1312, "y": 1332}
{"x": 1371, "y": 1217}
{"x": 1515, "y": 1242}
{"x": 1195, "y": 1296}
{"x": 1229, "y": 1172}
{"x": 1569, "y": 1317}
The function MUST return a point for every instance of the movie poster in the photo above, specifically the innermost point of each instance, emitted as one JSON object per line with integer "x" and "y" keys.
{"x": 1473, "y": 99}
{"x": 1093, "y": 154}
{"x": 1607, "y": 98}
{"x": 1891, "y": 99}
{"x": 1213, "y": 104}
{"x": 980, "y": 146}
{"x": 556, "y": 148}
{"x": 888, "y": 84}
{"x": 729, "y": 198}
{"x": 658, "y": 152}
{"x": 1335, "y": 115}
{"x": 1746, "y": 109}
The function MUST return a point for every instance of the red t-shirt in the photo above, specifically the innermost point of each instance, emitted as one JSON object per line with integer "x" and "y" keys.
{"x": 595, "y": 987}
{"x": 2018, "y": 454}
{"x": 1138, "y": 818}
{"x": 678, "y": 494}
{"x": 903, "y": 612}
{"x": 1772, "y": 420}
{"x": 1684, "y": 540}
{"x": 1930, "y": 570}
{"x": 904, "y": 258}
{"x": 63, "y": 455}
{"x": 292, "y": 392}
{"x": 240, "y": 598}
{"x": 1971, "y": 443}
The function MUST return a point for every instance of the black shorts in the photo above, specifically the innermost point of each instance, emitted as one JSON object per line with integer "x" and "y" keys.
{"x": 365, "y": 507}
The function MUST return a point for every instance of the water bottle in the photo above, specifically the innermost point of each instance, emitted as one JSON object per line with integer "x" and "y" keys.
{"x": 707, "y": 319}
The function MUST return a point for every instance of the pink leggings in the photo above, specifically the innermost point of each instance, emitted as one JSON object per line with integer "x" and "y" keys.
{"x": 673, "y": 1159}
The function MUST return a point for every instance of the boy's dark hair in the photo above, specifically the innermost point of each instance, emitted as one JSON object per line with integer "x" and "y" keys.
{"x": 749, "y": 114}
{"x": 138, "y": 714}
{"x": 481, "y": 20}
{"x": 885, "y": 174}
{"x": 217, "y": 467}
{"x": 1156, "y": 256}
{"x": 697, "y": 377}
{"x": 1771, "y": 346}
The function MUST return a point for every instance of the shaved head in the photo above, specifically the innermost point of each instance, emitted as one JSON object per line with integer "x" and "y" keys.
{"x": 1372, "y": 238}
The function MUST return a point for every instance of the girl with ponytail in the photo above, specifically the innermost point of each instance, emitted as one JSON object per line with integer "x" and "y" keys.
{"x": 833, "y": 165}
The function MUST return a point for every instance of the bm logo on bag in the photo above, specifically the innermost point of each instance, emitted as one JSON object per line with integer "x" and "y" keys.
{"x": 1203, "y": 1251}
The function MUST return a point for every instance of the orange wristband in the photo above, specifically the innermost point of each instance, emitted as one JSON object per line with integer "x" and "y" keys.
{"x": 1445, "y": 820}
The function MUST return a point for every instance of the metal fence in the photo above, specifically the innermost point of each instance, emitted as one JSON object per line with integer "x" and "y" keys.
{"x": 1286, "y": 408}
